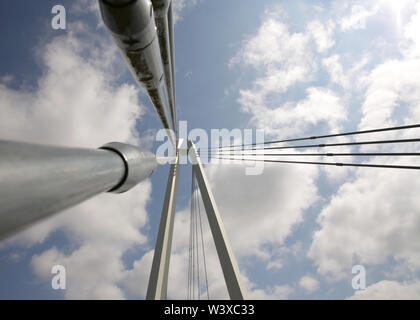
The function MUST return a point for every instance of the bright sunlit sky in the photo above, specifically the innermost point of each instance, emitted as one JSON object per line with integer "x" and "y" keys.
{"x": 291, "y": 68}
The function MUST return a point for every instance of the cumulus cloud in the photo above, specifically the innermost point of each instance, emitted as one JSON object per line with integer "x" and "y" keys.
{"x": 74, "y": 102}
{"x": 309, "y": 284}
{"x": 287, "y": 62}
{"x": 389, "y": 290}
{"x": 391, "y": 84}
{"x": 412, "y": 46}
{"x": 359, "y": 13}
{"x": 322, "y": 34}
{"x": 368, "y": 222}
{"x": 274, "y": 293}
{"x": 352, "y": 79}
{"x": 356, "y": 225}
{"x": 373, "y": 218}
{"x": 321, "y": 105}
{"x": 135, "y": 280}
{"x": 291, "y": 60}
{"x": 264, "y": 207}
{"x": 258, "y": 212}
{"x": 77, "y": 102}
{"x": 181, "y": 5}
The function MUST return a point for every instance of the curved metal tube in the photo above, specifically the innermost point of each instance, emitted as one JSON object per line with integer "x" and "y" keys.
{"x": 132, "y": 26}
{"x": 172, "y": 46}
{"x": 37, "y": 181}
{"x": 161, "y": 11}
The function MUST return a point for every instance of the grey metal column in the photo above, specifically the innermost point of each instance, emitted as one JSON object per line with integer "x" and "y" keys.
{"x": 224, "y": 251}
{"x": 158, "y": 279}
{"x": 132, "y": 26}
{"x": 165, "y": 31}
{"x": 37, "y": 181}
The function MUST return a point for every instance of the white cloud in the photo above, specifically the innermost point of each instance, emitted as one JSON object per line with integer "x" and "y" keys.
{"x": 394, "y": 82}
{"x": 258, "y": 212}
{"x": 181, "y": 5}
{"x": 91, "y": 271}
{"x": 288, "y": 61}
{"x": 76, "y": 102}
{"x": 374, "y": 218}
{"x": 358, "y": 16}
{"x": 265, "y": 208}
{"x": 335, "y": 69}
{"x": 322, "y": 34}
{"x": 389, "y": 290}
{"x": 390, "y": 85}
{"x": 412, "y": 46}
{"x": 135, "y": 280}
{"x": 309, "y": 284}
{"x": 292, "y": 118}
{"x": 352, "y": 79}
{"x": 368, "y": 222}
{"x": 273, "y": 293}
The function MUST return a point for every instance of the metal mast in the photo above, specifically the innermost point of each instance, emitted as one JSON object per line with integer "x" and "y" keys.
{"x": 158, "y": 279}
{"x": 143, "y": 30}
{"x": 132, "y": 26}
{"x": 227, "y": 259}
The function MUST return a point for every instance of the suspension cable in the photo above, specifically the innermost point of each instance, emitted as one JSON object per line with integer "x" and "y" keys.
{"x": 339, "y": 164}
{"x": 322, "y": 145}
{"x": 325, "y": 136}
{"x": 329, "y": 154}
{"x": 194, "y": 284}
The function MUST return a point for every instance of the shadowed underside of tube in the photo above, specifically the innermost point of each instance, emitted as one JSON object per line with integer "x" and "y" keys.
{"x": 144, "y": 34}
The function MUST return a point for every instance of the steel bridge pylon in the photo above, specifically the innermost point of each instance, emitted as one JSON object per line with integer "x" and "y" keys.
{"x": 158, "y": 280}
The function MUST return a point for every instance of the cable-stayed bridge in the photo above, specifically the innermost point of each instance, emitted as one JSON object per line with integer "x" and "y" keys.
{"x": 37, "y": 181}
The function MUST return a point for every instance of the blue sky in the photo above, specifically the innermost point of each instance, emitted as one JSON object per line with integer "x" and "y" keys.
{"x": 291, "y": 68}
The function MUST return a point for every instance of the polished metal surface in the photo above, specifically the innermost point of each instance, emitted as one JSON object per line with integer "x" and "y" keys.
{"x": 165, "y": 31}
{"x": 158, "y": 279}
{"x": 37, "y": 181}
{"x": 132, "y": 26}
{"x": 139, "y": 164}
{"x": 172, "y": 48}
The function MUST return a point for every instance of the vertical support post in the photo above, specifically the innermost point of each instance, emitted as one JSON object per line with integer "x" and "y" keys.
{"x": 224, "y": 251}
{"x": 158, "y": 280}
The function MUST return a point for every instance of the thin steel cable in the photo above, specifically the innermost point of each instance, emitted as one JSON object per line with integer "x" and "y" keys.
{"x": 326, "y": 136}
{"x": 329, "y": 154}
{"x": 339, "y": 164}
{"x": 322, "y": 145}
